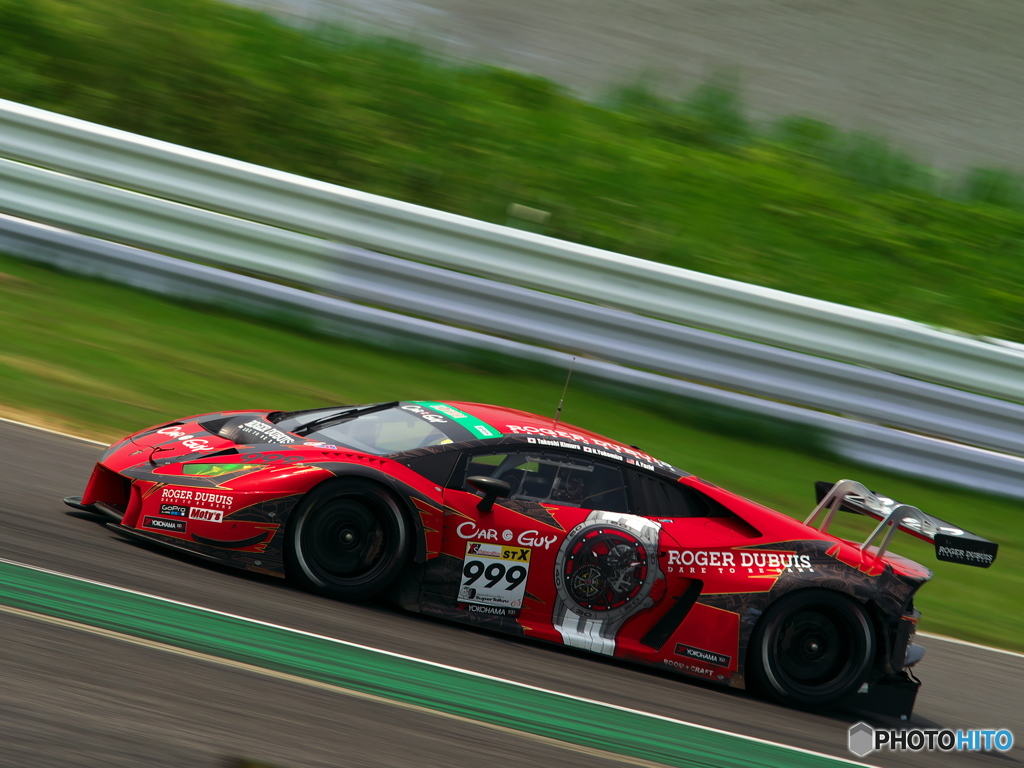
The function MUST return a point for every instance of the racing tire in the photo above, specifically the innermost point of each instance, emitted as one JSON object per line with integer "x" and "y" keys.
{"x": 348, "y": 539}
{"x": 812, "y": 649}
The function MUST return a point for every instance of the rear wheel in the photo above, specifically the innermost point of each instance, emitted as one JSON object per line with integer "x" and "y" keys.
{"x": 812, "y": 648}
{"x": 348, "y": 539}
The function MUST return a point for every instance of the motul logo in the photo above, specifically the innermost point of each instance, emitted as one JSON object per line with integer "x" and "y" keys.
{"x": 210, "y": 515}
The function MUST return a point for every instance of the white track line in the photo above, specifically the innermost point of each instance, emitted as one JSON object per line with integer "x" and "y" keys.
{"x": 52, "y": 431}
{"x": 437, "y": 665}
{"x": 929, "y": 635}
{"x": 979, "y": 646}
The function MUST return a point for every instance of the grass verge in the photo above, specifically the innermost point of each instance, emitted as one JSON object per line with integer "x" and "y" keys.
{"x": 800, "y": 207}
{"x": 100, "y": 359}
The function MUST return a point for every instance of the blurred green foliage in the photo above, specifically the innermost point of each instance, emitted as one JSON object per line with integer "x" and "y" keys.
{"x": 798, "y": 206}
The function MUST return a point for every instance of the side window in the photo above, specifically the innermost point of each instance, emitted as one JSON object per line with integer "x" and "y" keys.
{"x": 436, "y": 467}
{"x": 654, "y": 497}
{"x": 568, "y": 481}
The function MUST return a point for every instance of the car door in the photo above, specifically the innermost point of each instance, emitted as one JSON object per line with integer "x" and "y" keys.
{"x": 502, "y": 562}
{"x": 695, "y": 637}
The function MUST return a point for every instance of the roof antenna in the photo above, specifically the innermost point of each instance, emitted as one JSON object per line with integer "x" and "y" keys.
{"x": 558, "y": 413}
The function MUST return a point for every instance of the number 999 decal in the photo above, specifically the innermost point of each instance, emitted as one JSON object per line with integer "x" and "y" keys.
{"x": 494, "y": 578}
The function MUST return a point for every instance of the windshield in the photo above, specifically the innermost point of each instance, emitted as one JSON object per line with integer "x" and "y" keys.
{"x": 379, "y": 432}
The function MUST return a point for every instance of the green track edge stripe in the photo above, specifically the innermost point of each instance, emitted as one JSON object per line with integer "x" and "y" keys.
{"x": 481, "y": 699}
{"x": 305, "y": 681}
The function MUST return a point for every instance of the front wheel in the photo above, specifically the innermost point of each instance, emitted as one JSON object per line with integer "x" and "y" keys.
{"x": 812, "y": 648}
{"x": 348, "y": 539}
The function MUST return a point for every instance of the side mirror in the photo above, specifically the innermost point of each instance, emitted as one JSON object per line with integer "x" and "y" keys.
{"x": 492, "y": 489}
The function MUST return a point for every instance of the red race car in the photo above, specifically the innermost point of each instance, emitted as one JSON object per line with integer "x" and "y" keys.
{"x": 525, "y": 525}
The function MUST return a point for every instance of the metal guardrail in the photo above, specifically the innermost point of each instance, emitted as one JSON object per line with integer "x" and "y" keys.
{"x": 676, "y": 350}
{"x": 294, "y": 203}
{"x": 511, "y": 311}
{"x": 866, "y": 443}
{"x": 262, "y": 238}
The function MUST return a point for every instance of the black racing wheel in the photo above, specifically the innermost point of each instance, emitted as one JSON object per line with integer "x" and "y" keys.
{"x": 812, "y": 648}
{"x": 348, "y": 539}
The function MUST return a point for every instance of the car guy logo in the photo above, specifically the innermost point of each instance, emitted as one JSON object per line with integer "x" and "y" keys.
{"x": 468, "y": 530}
{"x": 195, "y": 443}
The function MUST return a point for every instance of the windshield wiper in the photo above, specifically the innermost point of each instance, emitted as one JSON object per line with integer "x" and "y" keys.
{"x": 349, "y": 413}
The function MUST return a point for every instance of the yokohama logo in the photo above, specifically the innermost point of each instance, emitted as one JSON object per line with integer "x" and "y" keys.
{"x": 699, "y": 654}
{"x": 163, "y": 525}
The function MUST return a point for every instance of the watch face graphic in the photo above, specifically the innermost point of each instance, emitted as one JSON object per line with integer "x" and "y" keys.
{"x": 604, "y": 572}
{"x": 604, "y": 568}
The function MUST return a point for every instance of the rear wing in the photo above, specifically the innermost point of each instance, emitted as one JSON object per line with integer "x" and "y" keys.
{"x": 952, "y": 544}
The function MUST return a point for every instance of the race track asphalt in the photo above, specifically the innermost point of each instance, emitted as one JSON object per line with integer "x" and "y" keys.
{"x": 69, "y": 698}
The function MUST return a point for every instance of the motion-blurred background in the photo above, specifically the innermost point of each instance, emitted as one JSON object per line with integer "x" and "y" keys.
{"x": 863, "y": 154}
{"x": 653, "y": 162}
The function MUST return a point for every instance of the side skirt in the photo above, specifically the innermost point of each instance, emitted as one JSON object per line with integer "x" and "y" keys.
{"x": 222, "y": 557}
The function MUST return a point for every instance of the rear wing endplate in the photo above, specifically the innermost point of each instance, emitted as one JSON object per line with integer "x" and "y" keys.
{"x": 952, "y": 544}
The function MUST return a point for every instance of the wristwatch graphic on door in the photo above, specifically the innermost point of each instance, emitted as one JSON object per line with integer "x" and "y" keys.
{"x": 604, "y": 573}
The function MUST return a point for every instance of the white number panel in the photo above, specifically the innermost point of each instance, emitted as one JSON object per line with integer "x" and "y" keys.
{"x": 494, "y": 578}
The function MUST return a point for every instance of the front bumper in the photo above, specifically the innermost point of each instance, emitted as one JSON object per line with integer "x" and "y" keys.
{"x": 96, "y": 508}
